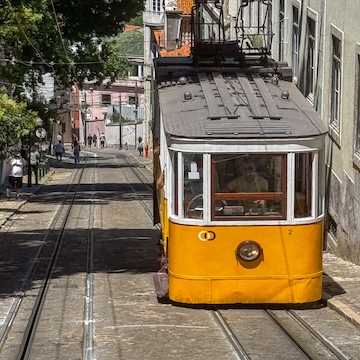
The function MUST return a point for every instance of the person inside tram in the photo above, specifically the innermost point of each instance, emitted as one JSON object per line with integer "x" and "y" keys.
{"x": 248, "y": 182}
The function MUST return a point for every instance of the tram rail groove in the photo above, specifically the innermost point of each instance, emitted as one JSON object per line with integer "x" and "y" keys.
{"x": 89, "y": 311}
{"x": 34, "y": 318}
{"x": 134, "y": 167}
{"x": 300, "y": 343}
{"x": 328, "y": 344}
{"x": 240, "y": 351}
{"x": 32, "y": 269}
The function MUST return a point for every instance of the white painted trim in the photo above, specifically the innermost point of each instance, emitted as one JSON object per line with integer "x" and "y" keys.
{"x": 290, "y": 195}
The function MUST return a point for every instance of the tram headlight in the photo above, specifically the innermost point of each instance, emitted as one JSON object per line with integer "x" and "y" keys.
{"x": 248, "y": 250}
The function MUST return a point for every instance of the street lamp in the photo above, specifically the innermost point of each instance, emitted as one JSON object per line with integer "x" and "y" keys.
{"x": 38, "y": 124}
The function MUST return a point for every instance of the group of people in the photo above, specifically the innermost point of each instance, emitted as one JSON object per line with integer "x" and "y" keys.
{"x": 17, "y": 165}
{"x": 92, "y": 140}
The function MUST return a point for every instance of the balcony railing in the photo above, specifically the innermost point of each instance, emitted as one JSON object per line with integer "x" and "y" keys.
{"x": 153, "y": 18}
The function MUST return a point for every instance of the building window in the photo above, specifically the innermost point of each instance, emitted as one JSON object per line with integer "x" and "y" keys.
{"x": 335, "y": 83}
{"x": 332, "y": 227}
{"x": 282, "y": 30}
{"x": 105, "y": 100}
{"x": 156, "y": 5}
{"x": 357, "y": 140}
{"x": 310, "y": 68}
{"x": 295, "y": 42}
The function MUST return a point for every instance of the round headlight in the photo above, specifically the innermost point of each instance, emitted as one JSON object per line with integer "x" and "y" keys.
{"x": 248, "y": 250}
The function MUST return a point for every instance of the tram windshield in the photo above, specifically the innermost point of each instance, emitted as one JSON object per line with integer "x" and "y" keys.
{"x": 248, "y": 186}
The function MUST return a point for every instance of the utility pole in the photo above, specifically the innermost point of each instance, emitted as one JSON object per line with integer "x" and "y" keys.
{"x": 120, "y": 118}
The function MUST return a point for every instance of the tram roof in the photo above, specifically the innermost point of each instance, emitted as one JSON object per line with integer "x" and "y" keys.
{"x": 231, "y": 102}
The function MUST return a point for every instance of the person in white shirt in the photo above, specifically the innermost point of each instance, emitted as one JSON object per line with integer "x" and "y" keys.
{"x": 15, "y": 179}
{"x": 102, "y": 140}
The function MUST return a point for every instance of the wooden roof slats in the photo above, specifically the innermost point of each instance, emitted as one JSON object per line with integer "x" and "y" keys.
{"x": 215, "y": 111}
{"x": 268, "y": 99}
{"x": 250, "y": 95}
{"x": 224, "y": 92}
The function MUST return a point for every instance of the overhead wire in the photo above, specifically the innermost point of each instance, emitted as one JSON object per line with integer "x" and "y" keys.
{"x": 32, "y": 45}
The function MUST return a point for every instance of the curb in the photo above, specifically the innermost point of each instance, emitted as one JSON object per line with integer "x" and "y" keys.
{"x": 342, "y": 309}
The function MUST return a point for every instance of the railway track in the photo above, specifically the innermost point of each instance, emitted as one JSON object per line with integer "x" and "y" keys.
{"x": 97, "y": 298}
{"x": 34, "y": 308}
{"x": 295, "y": 339}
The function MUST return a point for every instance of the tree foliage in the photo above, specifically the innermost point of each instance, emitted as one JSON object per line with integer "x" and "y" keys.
{"x": 69, "y": 39}
{"x": 65, "y": 38}
{"x": 16, "y": 121}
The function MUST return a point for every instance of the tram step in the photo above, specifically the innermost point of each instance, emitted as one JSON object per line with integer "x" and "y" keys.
{"x": 161, "y": 280}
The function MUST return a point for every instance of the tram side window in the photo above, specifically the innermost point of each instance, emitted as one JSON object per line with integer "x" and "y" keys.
{"x": 303, "y": 181}
{"x": 249, "y": 186}
{"x": 193, "y": 186}
{"x": 176, "y": 177}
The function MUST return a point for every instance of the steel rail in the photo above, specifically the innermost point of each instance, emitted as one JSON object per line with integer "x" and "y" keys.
{"x": 294, "y": 337}
{"x": 329, "y": 345}
{"x": 30, "y": 330}
{"x": 89, "y": 309}
{"x": 240, "y": 351}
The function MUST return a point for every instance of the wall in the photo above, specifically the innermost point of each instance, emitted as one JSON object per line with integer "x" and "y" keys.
{"x": 130, "y": 133}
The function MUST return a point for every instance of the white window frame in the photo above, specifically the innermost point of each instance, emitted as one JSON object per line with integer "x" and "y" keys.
{"x": 335, "y": 123}
{"x": 295, "y": 43}
{"x": 317, "y": 192}
{"x": 282, "y": 30}
{"x": 356, "y": 156}
{"x": 310, "y": 59}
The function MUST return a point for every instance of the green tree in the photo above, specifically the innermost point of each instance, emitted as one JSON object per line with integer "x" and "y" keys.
{"x": 65, "y": 38}
{"x": 16, "y": 121}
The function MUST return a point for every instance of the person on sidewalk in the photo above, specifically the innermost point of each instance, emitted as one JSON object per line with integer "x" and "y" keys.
{"x": 34, "y": 163}
{"x": 102, "y": 140}
{"x": 140, "y": 147}
{"x": 95, "y": 140}
{"x": 15, "y": 180}
{"x": 76, "y": 150}
{"x": 59, "y": 150}
{"x": 89, "y": 140}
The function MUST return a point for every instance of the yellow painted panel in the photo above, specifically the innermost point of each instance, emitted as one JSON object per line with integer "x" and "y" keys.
{"x": 289, "y": 269}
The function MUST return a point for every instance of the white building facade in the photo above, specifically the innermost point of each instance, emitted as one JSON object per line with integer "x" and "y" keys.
{"x": 320, "y": 40}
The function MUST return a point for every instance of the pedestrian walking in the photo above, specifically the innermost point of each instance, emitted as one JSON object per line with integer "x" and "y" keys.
{"x": 102, "y": 140}
{"x": 75, "y": 138}
{"x": 89, "y": 140}
{"x": 59, "y": 150}
{"x": 34, "y": 163}
{"x": 95, "y": 140}
{"x": 59, "y": 136}
{"x": 76, "y": 150}
{"x": 140, "y": 147}
{"x": 15, "y": 179}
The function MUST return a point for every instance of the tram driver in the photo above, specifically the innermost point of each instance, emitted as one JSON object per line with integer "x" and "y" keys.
{"x": 248, "y": 182}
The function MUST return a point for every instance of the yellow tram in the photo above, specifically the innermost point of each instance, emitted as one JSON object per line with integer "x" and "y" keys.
{"x": 242, "y": 206}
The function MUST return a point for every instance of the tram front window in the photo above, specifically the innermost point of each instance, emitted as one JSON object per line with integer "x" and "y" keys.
{"x": 193, "y": 186}
{"x": 249, "y": 186}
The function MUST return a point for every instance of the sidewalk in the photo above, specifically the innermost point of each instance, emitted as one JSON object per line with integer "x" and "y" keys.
{"x": 341, "y": 280}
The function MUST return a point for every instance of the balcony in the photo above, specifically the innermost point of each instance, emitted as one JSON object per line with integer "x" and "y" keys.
{"x": 153, "y": 18}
